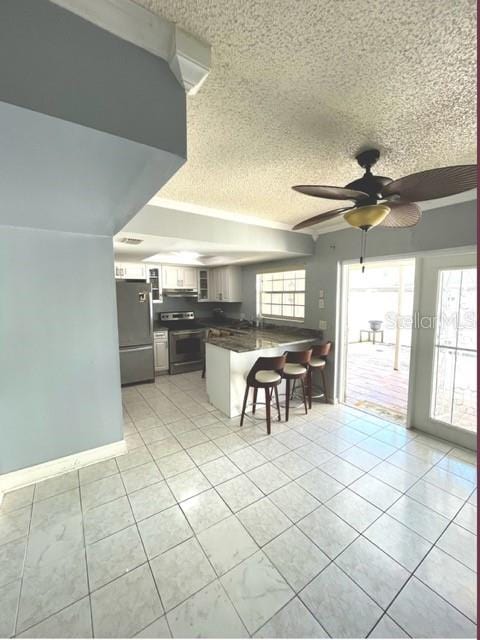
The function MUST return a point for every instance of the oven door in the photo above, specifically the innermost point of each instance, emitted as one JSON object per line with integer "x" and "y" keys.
{"x": 187, "y": 350}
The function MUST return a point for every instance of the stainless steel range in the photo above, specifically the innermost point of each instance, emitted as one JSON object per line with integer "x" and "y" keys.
{"x": 186, "y": 338}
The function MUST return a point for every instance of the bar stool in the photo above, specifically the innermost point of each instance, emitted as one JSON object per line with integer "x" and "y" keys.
{"x": 318, "y": 362}
{"x": 296, "y": 368}
{"x": 266, "y": 374}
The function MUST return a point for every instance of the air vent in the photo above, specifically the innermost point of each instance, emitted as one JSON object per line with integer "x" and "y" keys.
{"x": 130, "y": 241}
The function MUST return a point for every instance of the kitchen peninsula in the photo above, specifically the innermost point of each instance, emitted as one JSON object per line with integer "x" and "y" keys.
{"x": 230, "y": 356}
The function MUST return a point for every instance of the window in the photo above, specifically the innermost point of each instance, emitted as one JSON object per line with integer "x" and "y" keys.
{"x": 281, "y": 295}
{"x": 454, "y": 397}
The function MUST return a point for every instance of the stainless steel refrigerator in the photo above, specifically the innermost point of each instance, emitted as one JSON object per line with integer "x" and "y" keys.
{"x": 135, "y": 331}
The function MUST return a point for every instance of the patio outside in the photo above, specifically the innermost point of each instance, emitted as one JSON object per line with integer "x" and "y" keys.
{"x": 373, "y": 385}
{"x": 377, "y": 373}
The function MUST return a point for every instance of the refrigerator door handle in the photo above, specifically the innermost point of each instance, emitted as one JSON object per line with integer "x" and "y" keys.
{"x": 125, "y": 349}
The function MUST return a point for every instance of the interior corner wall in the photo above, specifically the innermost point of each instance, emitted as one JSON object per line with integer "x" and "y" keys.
{"x": 59, "y": 361}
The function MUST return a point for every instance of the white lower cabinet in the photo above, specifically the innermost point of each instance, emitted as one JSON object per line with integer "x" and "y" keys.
{"x": 160, "y": 349}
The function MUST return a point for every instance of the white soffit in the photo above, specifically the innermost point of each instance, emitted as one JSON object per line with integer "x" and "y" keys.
{"x": 187, "y": 56}
{"x": 234, "y": 216}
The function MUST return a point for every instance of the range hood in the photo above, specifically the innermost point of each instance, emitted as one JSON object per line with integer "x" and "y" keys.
{"x": 180, "y": 293}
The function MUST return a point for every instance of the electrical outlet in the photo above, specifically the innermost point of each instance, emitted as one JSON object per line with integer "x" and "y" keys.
{"x": 322, "y": 324}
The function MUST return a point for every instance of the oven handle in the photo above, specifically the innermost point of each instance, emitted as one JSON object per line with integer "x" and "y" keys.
{"x": 187, "y": 332}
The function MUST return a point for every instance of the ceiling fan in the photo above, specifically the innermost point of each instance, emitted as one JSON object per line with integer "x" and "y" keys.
{"x": 381, "y": 201}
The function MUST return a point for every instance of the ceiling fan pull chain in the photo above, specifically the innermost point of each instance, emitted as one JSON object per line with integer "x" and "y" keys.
{"x": 363, "y": 249}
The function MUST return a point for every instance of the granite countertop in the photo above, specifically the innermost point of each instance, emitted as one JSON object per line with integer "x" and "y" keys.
{"x": 253, "y": 339}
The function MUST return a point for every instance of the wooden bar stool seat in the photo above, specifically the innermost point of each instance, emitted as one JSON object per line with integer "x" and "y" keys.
{"x": 266, "y": 374}
{"x": 318, "y": 362}
{"x": 296, "y": 368}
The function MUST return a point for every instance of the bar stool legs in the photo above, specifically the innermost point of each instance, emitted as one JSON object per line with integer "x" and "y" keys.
{"x": 244, "y": 407}
{"x": 278, "y": 403}
{"x": 304, "y": 395}
{"x": 268, "y": 408}
{"x": 324, "y": 383}
{"x": 269, "y": 391}
{"x": 310, "y": 385}
{"x": 287, "y": 399}
{"x": 288, "y": 395}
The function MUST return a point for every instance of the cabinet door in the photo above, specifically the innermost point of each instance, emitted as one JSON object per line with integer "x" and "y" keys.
{"x": 233, "y": 286}
{"x": 216, "y": 283}
{"x": 134, "y": 271}
{"x": 161, "y": 355}
{"x": 189, "y": 277}
{"x": 225, "y": 284}
{"x": 204, "y": 291}
{"x": 169, "y": 277}
{"x": 154, "y": 276}
{"x": 180, "y": 277}
{"x": 119, "y": 271}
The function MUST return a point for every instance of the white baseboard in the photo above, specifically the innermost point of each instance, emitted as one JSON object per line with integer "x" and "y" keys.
{"x": 30, "y": 475}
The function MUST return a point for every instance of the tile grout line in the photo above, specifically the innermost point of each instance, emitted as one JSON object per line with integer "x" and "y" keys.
{"x": 147, "y": 561}
{"x": 17, "y": 611}
{"x": 86, "y": 557}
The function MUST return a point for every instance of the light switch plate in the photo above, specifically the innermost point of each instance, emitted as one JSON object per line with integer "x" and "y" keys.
{"x": 321, "y": 303}
{"x": 322, "y": 324}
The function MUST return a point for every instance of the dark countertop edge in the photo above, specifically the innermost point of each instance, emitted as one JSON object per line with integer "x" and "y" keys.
{"x": 252, "y": 339}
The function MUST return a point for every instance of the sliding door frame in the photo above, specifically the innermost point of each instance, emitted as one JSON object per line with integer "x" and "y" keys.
{"x": 342, "y": 310}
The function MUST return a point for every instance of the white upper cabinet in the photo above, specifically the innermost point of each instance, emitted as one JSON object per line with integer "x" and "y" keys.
{"x": 154, "y": 276}
{"x": 226, "y": 284}
{"x": 189, "y": 277}
{"x": 204, "y": 285}
{"x": 169, "y": 277}
{"x": 179, "y": 277}
{"x": 130, "y": 271}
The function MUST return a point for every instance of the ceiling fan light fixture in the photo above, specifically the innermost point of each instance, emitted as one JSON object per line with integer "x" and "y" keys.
{"x": 368, "y": 216}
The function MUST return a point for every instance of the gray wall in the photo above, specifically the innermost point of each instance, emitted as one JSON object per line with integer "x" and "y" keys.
{"x": 59, "y": 367}
{"x": 57, "y": 63}
{"x": 79, "y": 179}
{"x": 443, "y": 228}
{"x": 201, "y": 309}
{"x": 92, "y": 127}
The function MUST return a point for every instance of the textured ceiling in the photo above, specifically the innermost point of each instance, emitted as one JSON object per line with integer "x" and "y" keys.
{"x": 297, "y": 88}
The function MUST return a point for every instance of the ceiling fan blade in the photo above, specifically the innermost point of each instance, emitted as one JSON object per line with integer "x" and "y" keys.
{"x": 332, "y": 193}
{"x": 434, "y": 183}
{"x": 402, "y": 214}
{"x": 321, "y": 217}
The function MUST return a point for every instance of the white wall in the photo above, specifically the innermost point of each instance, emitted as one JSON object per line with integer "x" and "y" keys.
{"x": 59, "y": 369}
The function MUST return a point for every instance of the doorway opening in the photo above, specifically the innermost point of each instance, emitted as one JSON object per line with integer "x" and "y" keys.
{"x": 376, "y": 337}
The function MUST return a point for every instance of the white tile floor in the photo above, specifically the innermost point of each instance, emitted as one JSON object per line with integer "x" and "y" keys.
{"x": 339, "y": 524}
